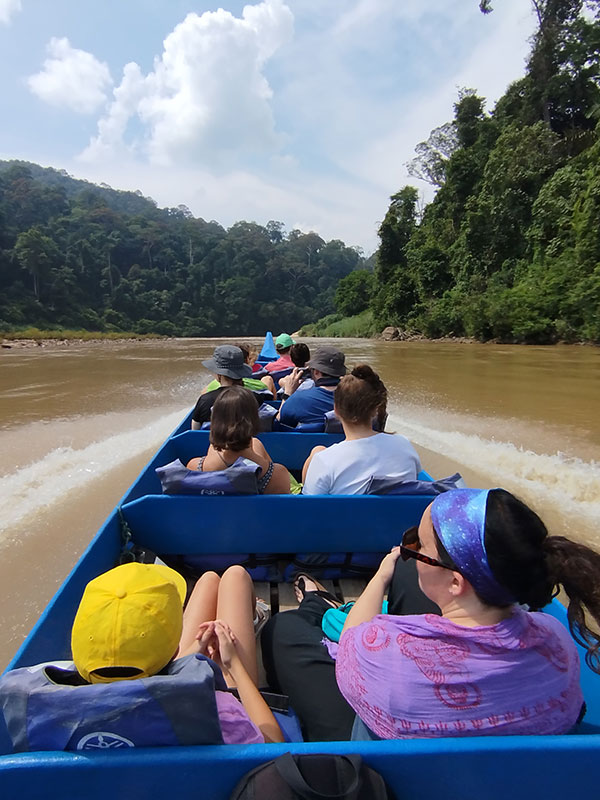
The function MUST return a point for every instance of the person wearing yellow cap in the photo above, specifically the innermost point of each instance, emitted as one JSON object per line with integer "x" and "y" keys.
{"x": 146, "y": 672}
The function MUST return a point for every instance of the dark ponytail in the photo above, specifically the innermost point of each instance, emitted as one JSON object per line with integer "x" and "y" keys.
{"x": 360, "y": 396}
{"x": 576, "y": 568}
{"x": 533, "y": 566}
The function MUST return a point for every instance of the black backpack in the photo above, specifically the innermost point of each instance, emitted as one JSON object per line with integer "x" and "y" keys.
{"x": 312, "y": 777}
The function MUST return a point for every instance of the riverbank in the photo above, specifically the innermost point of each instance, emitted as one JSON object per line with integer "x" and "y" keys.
{"x": 33, "y": 337}
{"x": 362, "y": 326}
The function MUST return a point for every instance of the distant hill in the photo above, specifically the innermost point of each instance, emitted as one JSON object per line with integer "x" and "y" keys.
{"x": 120, "y": 201}
{"x": 77, "y": 255}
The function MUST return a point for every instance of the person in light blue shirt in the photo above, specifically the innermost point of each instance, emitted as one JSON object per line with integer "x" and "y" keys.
{"x": 327, "y": 367}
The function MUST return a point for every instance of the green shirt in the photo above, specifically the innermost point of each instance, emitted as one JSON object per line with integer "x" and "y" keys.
{"x": 250, "y": 383}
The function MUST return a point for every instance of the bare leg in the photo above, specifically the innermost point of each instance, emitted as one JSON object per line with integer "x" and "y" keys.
{"x": 270, "y": 384}
{"x": 236, "y": 606}
{"x": 201, "y": 607}
{"x": 313, "y": 453}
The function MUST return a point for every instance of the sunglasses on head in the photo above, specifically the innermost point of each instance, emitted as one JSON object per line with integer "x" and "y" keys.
{"x": 409, "y": 548}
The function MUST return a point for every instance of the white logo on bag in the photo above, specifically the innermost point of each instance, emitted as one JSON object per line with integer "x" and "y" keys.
{"x": 103, "y": 740}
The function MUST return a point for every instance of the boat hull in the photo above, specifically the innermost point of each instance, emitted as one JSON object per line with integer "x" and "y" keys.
{"x": 491, "y": 767}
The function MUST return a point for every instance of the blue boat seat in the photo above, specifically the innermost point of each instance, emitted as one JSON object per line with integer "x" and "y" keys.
{"x": 277, "y": 374}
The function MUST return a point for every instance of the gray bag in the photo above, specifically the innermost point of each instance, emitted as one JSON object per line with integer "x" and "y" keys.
{"x": 312, "y": 777}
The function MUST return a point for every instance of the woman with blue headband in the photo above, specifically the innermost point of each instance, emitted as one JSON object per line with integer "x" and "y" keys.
{"x": 487, "y": 666}
{"x": 490, "y": 664}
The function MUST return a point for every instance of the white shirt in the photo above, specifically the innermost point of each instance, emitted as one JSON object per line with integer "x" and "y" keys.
{"x": 347, "y": 467}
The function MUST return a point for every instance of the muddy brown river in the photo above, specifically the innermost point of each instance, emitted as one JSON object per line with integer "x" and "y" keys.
{"x": 79, "y": 421}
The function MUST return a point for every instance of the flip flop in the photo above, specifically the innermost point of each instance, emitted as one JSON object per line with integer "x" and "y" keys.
{"x": 261, "y": 617}
{"x": 321, "y": 591}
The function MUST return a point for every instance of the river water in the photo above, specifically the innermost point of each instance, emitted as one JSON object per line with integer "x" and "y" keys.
{"x": 79, "y": 421}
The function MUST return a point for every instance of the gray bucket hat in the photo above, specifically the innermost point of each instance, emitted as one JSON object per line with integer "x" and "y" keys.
{"x": 228, "y": 360}
{"x": 329, "y": 361}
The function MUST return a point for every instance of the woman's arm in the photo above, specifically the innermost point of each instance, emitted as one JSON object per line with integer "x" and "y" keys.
{"x": 369, "y": 603}
{"x": 252, "y": 700}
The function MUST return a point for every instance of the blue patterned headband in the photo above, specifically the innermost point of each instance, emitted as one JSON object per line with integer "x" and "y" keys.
{"x": 458, "y": 518}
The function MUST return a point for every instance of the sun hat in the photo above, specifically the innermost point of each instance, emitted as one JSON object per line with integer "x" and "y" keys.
{"x": 129, "y": 617}
{"x": 458, "y": 518}
{"x": 283, "y": 341}
{"x": 228, "y": 360}
{"x": 329, "y": 361}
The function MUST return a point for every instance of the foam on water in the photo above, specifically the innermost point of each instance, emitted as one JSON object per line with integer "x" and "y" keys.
{"x": 570, "y": 486}
{"x": 49, "y": 479}
{"x": 567, "y": 486}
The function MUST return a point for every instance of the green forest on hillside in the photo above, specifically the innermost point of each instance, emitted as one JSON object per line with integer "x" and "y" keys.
{"x": 510, "y": 246}
{"x": 508, "y": 249}
{"x": 75, "y": 255}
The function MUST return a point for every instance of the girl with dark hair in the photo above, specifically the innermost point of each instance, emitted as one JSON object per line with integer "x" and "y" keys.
{"x": 348, "y": 466}
{"x": 300, "y": 354}
{"x": 487, "y": 665}
{"x": 233, "y": 428}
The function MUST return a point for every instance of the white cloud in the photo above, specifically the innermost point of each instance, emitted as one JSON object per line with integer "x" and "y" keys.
{"x": 207, "y": 97}
{"x": 388, "y": 73}
{"x": 333, "y": 207}
{"x": 71, "y": 78}
{"x": 240, "y": 120}
{"x": 8, "y": 8}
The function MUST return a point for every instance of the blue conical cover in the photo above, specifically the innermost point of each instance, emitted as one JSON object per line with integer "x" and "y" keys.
{"x": 268, "y": 352}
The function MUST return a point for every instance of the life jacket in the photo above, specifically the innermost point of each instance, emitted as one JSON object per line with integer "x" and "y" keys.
{"x": 240, "y": 478}
{"x": 50, "y": 707}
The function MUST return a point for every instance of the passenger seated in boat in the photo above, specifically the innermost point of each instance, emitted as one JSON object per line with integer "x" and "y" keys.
{"x": 486, "y": 666}
{"x": 348, "y": 466}
{"x": 230, "y": 369}
{"x": 233, "y": 428}
{"x": 300, "y": 355}
{"x": 254, "y": 384}
{"x": 283, "y": 344}
{"x": 132, "y": 631}
{"x": 327, "y": 367}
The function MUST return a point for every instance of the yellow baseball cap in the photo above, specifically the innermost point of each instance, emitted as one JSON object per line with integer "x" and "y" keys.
{"x": 129, "y": 617}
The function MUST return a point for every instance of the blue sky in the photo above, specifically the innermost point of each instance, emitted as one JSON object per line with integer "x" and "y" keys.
{"x": 304, "y": 111}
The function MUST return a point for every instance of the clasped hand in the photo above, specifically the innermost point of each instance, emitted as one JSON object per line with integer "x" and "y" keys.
{"x": 217, "y": 641}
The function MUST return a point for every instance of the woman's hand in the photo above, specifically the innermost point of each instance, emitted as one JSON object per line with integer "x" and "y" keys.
{"x": 386, "y": 569}
{"x": 206, "y": 640}
{"x": 217, "y": 641}
{"x": 226, "y": 645}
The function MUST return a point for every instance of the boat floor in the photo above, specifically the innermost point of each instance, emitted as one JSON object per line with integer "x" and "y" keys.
{"x": 281, "y": 597}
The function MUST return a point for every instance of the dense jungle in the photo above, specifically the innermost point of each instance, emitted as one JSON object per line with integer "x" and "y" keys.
{"x": 507, "y": 249}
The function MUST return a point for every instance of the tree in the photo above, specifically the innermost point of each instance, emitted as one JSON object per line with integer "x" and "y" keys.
{"x": 429, "y": 165}
{"x": 395, "y": 289}
{"x": 36, "y": 253}
{"x": 353, "y": 292}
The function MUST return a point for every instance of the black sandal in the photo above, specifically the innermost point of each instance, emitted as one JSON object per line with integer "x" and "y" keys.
{"x": 320, "y": 591}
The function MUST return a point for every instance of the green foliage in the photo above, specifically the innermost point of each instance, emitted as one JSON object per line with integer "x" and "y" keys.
{"x": 509, "y": 249}
{"x": 353, "y": 292}
{"x": 12, "y": 334}
{"x": 395, "y": 292}
{"x": 333, "y": 325}
{"x": 77, "y": 255}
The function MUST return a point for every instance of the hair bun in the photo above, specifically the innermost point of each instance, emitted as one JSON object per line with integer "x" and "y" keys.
{"x": 365, "y": 373}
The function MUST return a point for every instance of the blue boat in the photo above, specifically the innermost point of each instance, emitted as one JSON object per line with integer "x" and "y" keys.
{"x": 519, "y": 767}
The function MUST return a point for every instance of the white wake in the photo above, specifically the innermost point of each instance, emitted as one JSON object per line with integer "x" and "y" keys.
{"x": 31, "y": 488}
{"x": 569, "y": 485}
